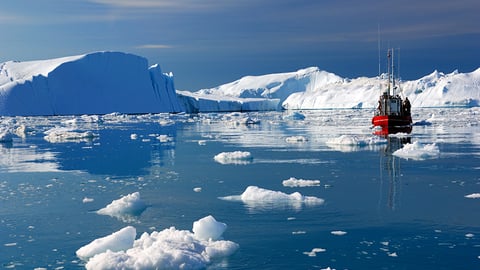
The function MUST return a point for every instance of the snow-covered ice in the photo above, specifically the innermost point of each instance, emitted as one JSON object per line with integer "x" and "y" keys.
{"x": 95, "y": 83}
{"x": 294, "y": 182}
{"x": 106, "y": 82}
{"x": 66, "y": 134}
{"x": 260, "y": 198}
{"x": 312, "y": 88}
{"x": 167, "y": 249}
{"x": 236, "y": 157}
{"x": 208, "y": 228}
{"x": 338, "y": 233}
{"x": 418, "y": 151}
{"x": 473, "y": 196}
{"x": 125, "y": 208}
{"x": 120, "y": 240}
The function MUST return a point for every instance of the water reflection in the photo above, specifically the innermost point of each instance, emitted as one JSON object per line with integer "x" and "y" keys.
{"x": 390, "y": 168}
{"x": 27, "y": 159}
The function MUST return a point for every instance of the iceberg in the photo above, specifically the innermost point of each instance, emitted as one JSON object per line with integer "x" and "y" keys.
{"x": 116, "y": 82}
{"x": 312, "y": 88}
{"x": 95, "y": 83}
{"x": 167, "y": 249}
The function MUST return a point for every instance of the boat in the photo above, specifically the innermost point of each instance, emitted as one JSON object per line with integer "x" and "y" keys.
{"x": 393, "y": 113}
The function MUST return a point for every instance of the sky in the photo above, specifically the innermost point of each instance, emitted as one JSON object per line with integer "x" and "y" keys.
{"x": 206, "y": 43}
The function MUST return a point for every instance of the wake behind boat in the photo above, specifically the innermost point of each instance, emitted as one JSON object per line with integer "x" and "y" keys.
{"x": 393, "y": 113}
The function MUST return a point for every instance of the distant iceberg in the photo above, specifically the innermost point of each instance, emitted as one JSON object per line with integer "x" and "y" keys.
{"x": 312, "y": 88}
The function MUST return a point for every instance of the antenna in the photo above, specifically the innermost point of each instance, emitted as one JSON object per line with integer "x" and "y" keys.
{"x": 379, "y": 65}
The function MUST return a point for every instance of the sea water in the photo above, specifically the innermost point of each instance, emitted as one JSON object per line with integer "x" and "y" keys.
{"x": 380, "y": 210}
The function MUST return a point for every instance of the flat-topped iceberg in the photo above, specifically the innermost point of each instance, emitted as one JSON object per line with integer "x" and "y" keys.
{"x": 95, "y": 83}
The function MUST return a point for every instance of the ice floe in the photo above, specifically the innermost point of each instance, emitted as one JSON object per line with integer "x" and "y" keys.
{"x": 349, "y": 143}
{"x": 125, "y": 208}
{"x": 314, "y": 252}
{"x": 294, "y": 182}
{"x": 418, "y": 151}
{"x": 296, "y": 139}
{"x": 5, "y": 135}
{"x": 167, "y": 249}
{"x": 64, "y": 134}
{"x": 473, "y": 196}
{"x": 236, "y": 157}
{"x": 259, "y": 198}
{"x": 338, "y": 233}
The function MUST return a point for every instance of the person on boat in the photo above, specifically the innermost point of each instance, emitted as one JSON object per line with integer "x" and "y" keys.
{"x": 406, "y": 106}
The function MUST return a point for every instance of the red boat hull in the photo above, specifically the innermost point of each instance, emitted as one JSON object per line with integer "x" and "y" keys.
{"x": 391, "y": 121}
{"x": 391, "y": 124}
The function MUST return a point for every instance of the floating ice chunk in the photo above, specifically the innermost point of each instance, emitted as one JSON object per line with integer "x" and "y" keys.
{"x": 165, "y": 138}
{"x": 167, "y": 249}
{"x": 417, "y": 151}
{"x": 208, "y": 228}
{"x": 423, "y": 122}
{"x": 125, "y": 208}
{"x": 339, "y": 233}
{"x": 5, "y": 135}
{"x": 256, "y": 197}
{"x": 197, "y": 189}
{"x": 296, "y": 139}
{"x": 355, "y": 140}
{"x": 473, "y": 196}
{"x": 87, "y": 200}
{"x": 294, "y": 182}
{"x": 133, "y": 136}
{"x": 120, "y": 240}
{"x": 236, "y": 157}
{"x": 469, "y": 235}
{"x": 314, "y": 252}
{"x": 392, "y": 254}
{"x": 62, "y": 134}
{"x": 294, "y": 116}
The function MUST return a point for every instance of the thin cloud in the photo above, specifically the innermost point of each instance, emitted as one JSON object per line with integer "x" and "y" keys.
{"x": 154, "y": 46}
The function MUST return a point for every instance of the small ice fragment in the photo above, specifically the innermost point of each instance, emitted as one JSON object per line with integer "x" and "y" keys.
{"x": 473, "y": 196}
{"x": 87, "y": 200}
{"x": 236, "y": 157}
{"x": 314, "y": 252}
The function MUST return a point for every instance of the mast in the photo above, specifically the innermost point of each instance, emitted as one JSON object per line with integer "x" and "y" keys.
{"x": 393, "y": 73}
{"x": 389, "y": 55}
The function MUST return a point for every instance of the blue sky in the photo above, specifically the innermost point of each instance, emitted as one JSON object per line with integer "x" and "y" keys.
{"x": 206, "y": 43}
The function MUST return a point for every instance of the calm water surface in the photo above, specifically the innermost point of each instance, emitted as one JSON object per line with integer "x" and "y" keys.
{"x": 397, "y": 213}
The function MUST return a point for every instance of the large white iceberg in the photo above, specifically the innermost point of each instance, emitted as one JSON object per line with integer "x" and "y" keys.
{"x": 312, "y": 88}
{"x": 95, "y": 83}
